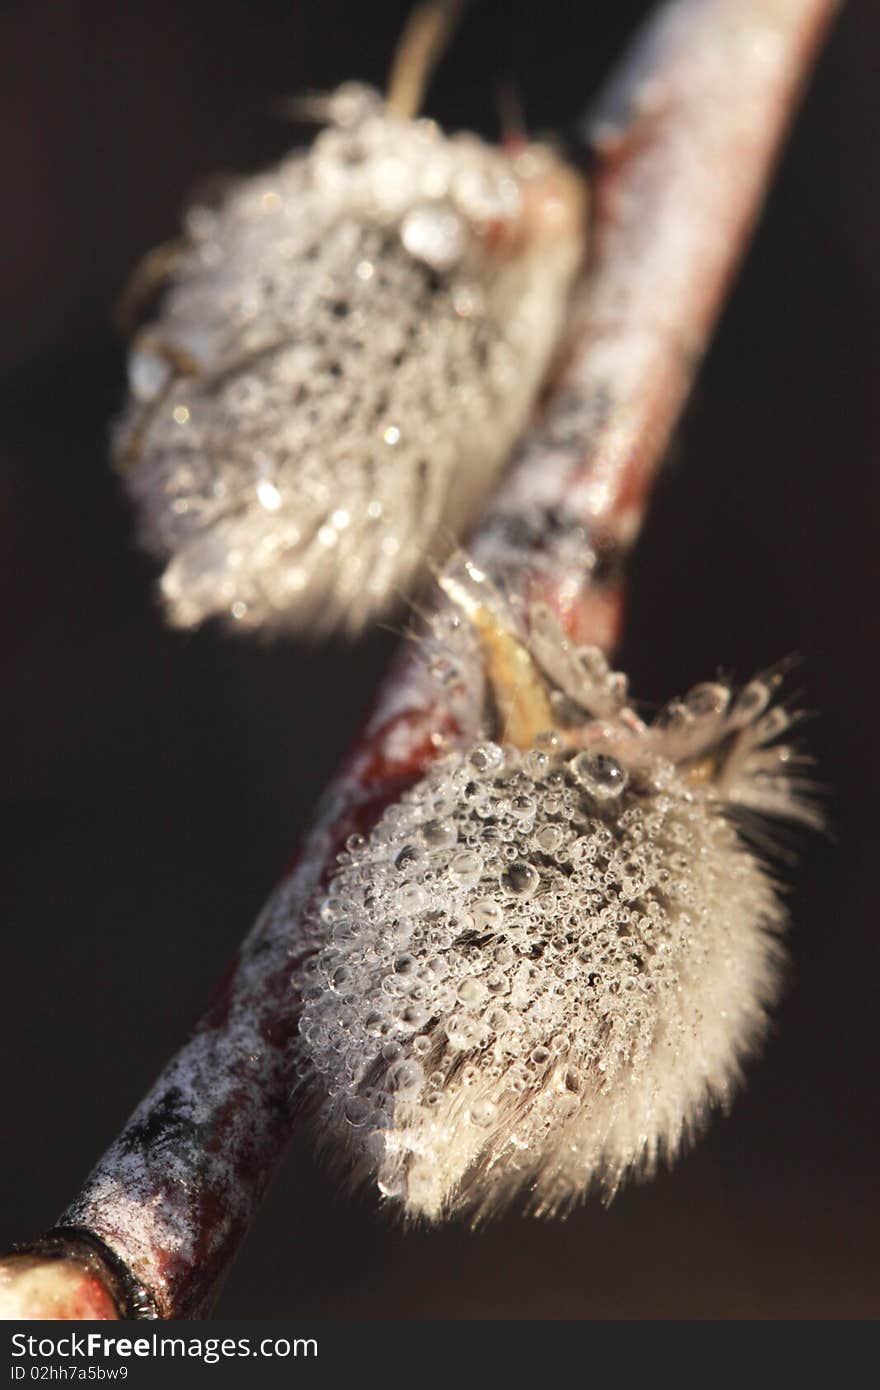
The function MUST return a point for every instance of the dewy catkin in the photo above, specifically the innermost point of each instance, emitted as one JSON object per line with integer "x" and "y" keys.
{"x": 348, "y": 348}
{"x": 550, "y": 957}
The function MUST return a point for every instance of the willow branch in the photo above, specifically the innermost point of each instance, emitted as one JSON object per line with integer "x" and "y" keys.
{"x": 686, "y": 138}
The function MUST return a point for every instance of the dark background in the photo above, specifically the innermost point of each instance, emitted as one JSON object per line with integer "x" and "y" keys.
{"x": 154, "y": 784}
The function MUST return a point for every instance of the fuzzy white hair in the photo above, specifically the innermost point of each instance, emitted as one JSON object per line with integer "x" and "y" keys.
{"x": 547, "y": 963}
{"x": 349, "y": 346}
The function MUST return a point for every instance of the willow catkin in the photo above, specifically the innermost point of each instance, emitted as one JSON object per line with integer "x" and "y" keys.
{"x": 547, "y": 962}
{"x": 348, "y": 348}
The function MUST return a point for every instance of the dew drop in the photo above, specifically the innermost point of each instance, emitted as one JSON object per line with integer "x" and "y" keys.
{"x": 412, "y": 897}
{"x": 521, "y": 879}
{"x": 147, "y": 374}
{"x": 549, "y": 838}
{"x": 440, "y": 834}
{"x": 462, "y": 1032}
{"x": 488, "y": 914}
{"x": 435, "y": 234}
{"x": 391, "y": 1182}
{"x": 601, "y": 776}
{"x": 409, "y": 858}
{"x": 413, "y": 1015}
{"x": 486, "y": 757}
{"x": 482, "y": 1112}
{"x": 707, "y": 699}
{"x": 466, "y": 868}
{"x": 471, "y": 991}
{"x": 357, "y": 1110}
{"x": 406, "y": 1079}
